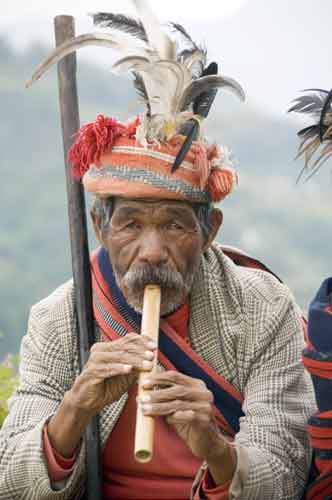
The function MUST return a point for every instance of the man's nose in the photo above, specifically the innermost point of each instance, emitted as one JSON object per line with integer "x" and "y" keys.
{"x": 152, "y": 248}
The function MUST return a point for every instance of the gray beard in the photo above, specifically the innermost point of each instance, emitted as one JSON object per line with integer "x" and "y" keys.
{"x": 174, "y": 287}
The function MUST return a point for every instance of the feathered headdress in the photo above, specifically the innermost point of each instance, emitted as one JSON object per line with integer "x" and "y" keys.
{"x": 316, "y": 140}
{"x": 171, "y": 77}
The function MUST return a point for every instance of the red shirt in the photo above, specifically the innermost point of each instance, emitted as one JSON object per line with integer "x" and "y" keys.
{"x": 170, "y": 473}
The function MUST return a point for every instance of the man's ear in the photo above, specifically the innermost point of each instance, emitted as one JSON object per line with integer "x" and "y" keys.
{"x": 96, "y": 221}
{"x": 216, "y": 218}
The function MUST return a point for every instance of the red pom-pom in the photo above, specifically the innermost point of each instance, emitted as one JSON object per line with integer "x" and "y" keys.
{"x": 221, "y": 183}
{"x": 96, "y": 138}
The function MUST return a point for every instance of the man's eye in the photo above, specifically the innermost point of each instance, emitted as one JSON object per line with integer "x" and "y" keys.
{"x": 174, "y": 226}
{"x": 134, "y": 226}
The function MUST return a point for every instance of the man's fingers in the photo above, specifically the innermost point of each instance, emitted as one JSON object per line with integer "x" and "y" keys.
{"x": 104, "y": 371}
{"x": 140, "y": 361}
{"x": 163, "y": 409}
{"x": 171, "y": 377}
{"x": 130, "y": 343}
{"x": 188, "y": 416}
{"x": 180, "y": 392}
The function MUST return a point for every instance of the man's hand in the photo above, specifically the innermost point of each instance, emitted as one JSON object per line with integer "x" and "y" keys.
{"x": 110, "y": 371}
{"x": 187, "y": 404}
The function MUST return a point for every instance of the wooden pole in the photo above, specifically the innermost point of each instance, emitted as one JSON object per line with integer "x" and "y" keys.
{"x": 64, "y": 28}
{"x": 150, "y": 326}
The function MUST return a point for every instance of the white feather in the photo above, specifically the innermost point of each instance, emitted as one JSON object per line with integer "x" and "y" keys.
{"x": 197, "y": 58}
{"x": 163, "y": 98}
{"x": 121, "y": 44}
{"x": 170, "y": 84}
{"x": 158, "y": 39}
{"x": 206, "y": 83}
{"x": 180, "y": 76}
{"x": 131, "y": 63}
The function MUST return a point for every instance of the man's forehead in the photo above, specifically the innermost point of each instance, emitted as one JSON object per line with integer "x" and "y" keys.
{"x": 147, "y": 204}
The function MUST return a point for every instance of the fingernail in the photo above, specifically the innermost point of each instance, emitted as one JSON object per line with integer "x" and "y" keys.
{"x": 146, "y": 408}
{"x": 147, "y": 365}
{"x": 151, "y": 345}
{"x": 127, "y": 368}
{"x": 146, "y": 382}
{"x": 149, "y": 354}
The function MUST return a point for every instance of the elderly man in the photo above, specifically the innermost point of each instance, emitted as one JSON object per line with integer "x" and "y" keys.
{"x": 231, "y": 399}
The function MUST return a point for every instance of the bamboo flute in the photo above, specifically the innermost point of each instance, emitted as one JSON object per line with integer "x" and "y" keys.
{"x": 144, "y": 433}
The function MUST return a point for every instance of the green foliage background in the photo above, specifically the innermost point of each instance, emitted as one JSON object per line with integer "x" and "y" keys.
{"x": 284, "y": 224}
{"x": 8, "y": 382}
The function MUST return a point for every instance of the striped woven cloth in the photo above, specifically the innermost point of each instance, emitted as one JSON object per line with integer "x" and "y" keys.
{"x": 317, "y": 358}
{"x": 116, "y": 319}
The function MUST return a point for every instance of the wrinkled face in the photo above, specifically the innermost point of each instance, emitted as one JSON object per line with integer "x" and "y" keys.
{"x": 154, "y": 242}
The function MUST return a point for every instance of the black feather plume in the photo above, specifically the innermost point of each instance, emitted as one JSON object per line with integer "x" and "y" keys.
{"x": 308, "y": 132}
{"x": 318, "y": 105}
{"x": 310, "y": 103}
{"x": 316, "y": 140}
{"x": 190, "y": 48}
{"x": 120, "y": 22}
{"x": 178, "y": 28}
{"x": 201, "y": 106}
{"x": 141, "y": 90}
{"x": 191, "y": 136}
{"x": 325, "y": 120}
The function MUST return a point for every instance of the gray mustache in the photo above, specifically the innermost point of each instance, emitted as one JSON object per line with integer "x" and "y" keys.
{"x": 157, "y": 275}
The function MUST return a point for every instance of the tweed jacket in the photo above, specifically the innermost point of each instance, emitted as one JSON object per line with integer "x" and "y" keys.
{"x": 243, "y": 322}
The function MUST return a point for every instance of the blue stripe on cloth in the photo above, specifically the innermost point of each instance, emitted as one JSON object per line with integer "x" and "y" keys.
{"x": 318, "y": 421}
{"x": 323, "y": 454}
{"x": 319, "y": 320}
{"x": 228, "y": 406}
{"x": 119, "y": 329}
{"x": 324, "y": 357}
{"x": 323, "y": 392}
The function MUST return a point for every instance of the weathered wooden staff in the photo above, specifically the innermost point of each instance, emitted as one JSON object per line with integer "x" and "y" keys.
{"x": 150, "y": 326}
{"x": 64, "y": 28}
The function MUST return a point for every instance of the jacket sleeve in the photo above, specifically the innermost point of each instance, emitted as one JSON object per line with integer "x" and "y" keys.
{"x": 46, "y": 373}
{"x": 278, "y": 399}
{"x": 59, "y": 468}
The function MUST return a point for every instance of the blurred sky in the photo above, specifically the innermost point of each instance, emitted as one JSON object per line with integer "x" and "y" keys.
{"x": 273, "y": 48}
